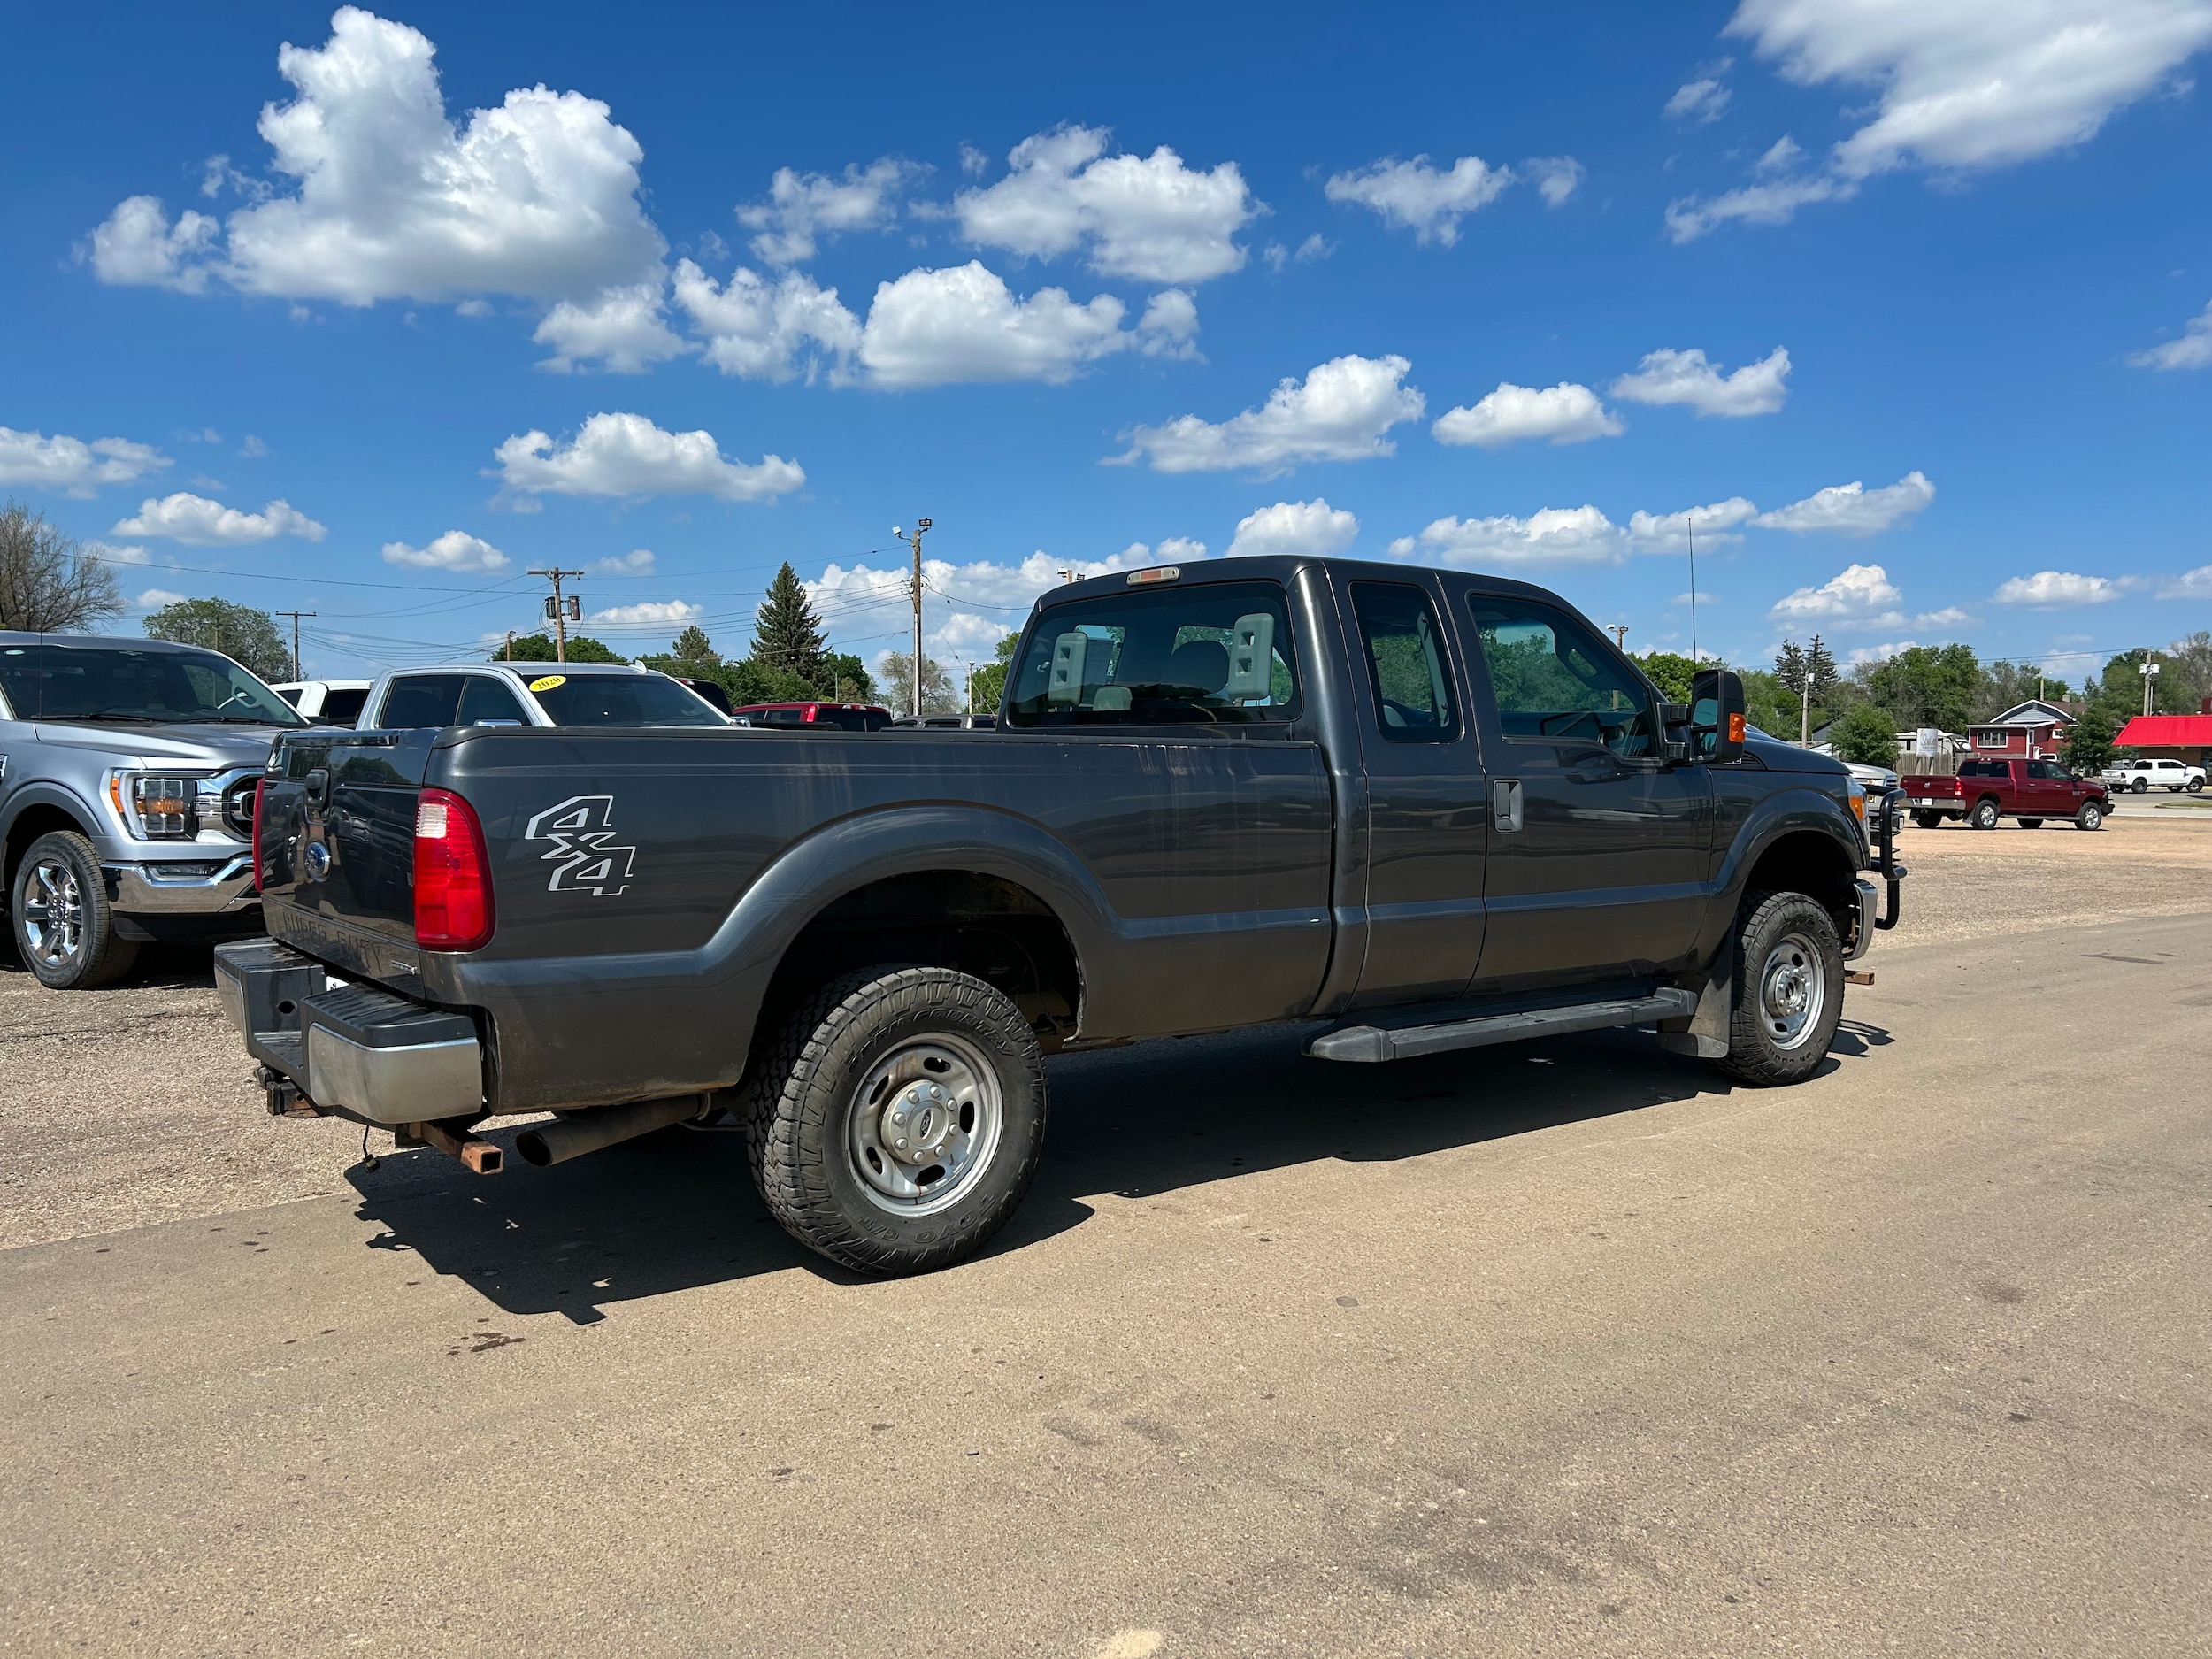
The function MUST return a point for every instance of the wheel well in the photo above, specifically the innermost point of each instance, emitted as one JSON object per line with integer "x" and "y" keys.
{"x": 1809, "y": 863}
{"x": 994, "y": 929}
{"x": 35, "y": 822}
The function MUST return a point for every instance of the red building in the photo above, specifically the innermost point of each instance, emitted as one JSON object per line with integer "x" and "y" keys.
{"x": 2028, "y": 731}
{"x": 2186, "y": 738}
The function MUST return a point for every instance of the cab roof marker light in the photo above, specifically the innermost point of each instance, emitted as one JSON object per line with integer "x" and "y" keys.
{"x": 1158, "y": 574}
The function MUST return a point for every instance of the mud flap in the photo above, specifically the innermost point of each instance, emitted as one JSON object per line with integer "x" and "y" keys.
{"x": 1704, "y": 1034}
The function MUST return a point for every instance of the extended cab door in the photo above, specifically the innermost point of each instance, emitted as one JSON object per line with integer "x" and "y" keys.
{"x": 1599, "y": 848}
{"x": 1426, "y": 817}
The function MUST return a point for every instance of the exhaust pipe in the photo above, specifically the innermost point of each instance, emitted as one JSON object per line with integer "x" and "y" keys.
{"x": 603, "y": 1126}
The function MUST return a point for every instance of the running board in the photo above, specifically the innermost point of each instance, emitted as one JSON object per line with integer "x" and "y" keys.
{"x": 1372, "y": 1044}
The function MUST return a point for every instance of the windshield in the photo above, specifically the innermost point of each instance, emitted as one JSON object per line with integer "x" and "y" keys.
{"x": 620, "y": 699}
{"x": 132, "y": 687}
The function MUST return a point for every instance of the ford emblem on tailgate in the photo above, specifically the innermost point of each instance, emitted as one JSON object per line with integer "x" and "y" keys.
{"x": 318, "y": 860}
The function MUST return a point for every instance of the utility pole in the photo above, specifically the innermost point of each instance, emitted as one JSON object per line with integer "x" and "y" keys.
{"x": 1066, "y": 576}
{"x": 1691, "y": 519}
{"x": 1619, "y": 631}
{"x": 921, "y": 525}
{"x": 296, "y": 616}
{"x": 562, "y": 612}
{"x": 510, "y": 645}
{"x": 2148, "y": 669}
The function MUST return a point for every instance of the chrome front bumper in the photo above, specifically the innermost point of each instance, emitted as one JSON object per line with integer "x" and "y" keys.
{"x": 205, "y": 887}
{"x": 355, "y": 1049}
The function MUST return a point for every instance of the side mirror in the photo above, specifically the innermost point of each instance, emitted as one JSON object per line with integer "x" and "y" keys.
{"x": 1716, "y": 715}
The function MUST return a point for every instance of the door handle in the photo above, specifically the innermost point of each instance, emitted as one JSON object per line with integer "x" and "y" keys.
{"x": 1505, "y": 804}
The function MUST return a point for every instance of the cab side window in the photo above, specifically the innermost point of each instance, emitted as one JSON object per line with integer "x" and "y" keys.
{"x": 486, "y": 699}
{"x": 1553, "y": 681}
{"x": 1406, "y": 663}
{"x": 419, "y": 700}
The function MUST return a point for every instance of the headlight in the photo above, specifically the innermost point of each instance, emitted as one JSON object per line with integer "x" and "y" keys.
{"x": 158, "y": 806}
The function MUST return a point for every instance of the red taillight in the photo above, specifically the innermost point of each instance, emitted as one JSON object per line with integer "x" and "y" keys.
{"x": 811, "y": 713}
{"x": 259, "y": 784}
{"x": 453, "y": 877}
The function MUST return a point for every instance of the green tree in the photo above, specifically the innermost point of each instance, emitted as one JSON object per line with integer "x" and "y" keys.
{"x": 2119, "y": 689}
{"x": 1867, "y": 735}
{"x": 538, "y": 647}
{"x": 1809, "y": 674}
{"x": 988, "y": 686}
{"x": 48, "y": 583}
{"x": 788, "y": 635}
{"x": 940, "y": 695}
{"x": 247, "y": 637}
{"x": 1929, "y": 685}
{"x": 845, "y": 677}
{"x": 2087, "y": 746}
{"x": 2008, "y": 684}
{"x": 2189, "y": 661}
{"x": 1670, "y": 671}
{"x": 1768, "y": 703}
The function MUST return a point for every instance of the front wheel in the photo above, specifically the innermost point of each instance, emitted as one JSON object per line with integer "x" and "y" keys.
{"x": 1788, "y": 991}
{"x": 1985, "y": 815}
{"x": 1928, "y": 821}
{"x": 2090, "y": 818}
{"x": 896, "y": 1118}
{"x": 2196, "y": 785}
{"x": 64, "y": 927}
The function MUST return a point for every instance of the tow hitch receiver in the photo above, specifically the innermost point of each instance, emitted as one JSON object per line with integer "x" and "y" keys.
{"x": 483, "y": 1157}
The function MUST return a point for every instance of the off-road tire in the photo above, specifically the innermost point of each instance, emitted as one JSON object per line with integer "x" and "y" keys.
{"x": 1763, "y": 922}
{"x": 806, "y": 1072}
{"x": 2031, "y": 823}
{"x": 100, "y": 957}
{"x": 1928, "y": 821}
{"x": 2090, "y": 818}
{"x": 1985, "y": 815}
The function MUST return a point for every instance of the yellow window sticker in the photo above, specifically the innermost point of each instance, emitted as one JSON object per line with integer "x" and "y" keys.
{"x": 546, "y": 682}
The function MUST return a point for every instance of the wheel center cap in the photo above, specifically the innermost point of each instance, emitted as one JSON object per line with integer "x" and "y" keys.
{"x": 1789, "y": 990}
{"x": 917, "y": 1122}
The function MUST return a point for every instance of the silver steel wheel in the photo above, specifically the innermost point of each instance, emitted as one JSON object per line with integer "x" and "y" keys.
{"x": 53, "y": 912}
{"x": 925, "y": 1124}
{"x": 1792, "y": 991}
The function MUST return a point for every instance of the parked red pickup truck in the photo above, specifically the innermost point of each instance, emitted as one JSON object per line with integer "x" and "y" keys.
{"x": 1987, "y": 790}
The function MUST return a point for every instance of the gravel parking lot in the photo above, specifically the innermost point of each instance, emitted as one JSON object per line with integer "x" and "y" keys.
{"x": 1564, "y": 1348}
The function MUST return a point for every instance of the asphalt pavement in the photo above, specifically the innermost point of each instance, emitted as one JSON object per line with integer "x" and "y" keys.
{"x": 1560, "y": 1348}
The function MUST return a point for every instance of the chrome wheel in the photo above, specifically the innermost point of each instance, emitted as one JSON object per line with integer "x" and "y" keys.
{"x": 53, "y": 913}
{"x": 924, "y": 1125}
{"x": 1792, "y": 991}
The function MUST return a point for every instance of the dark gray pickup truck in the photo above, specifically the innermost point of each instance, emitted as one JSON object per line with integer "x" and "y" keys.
{"x": 1418, "y": 810}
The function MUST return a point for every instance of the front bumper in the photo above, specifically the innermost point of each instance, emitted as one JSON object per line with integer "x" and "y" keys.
{"x": 210, "y": 887}
{"x": 354, "y": 1049}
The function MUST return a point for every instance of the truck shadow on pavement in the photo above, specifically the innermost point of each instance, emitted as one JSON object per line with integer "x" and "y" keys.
{"x": 677, "y": 1210}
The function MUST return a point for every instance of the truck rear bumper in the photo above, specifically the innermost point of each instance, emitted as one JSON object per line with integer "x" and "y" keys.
{"x": 354, "y": 1049}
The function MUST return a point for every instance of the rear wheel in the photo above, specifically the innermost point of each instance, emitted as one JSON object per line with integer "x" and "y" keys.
{"x": 1788, "y": 991}
{"x": 1928, "y": 821}
{"x": 895, "y": 1119}
{"x": 1985, "y": 815}
{"x": 2142, "y": 784}
{"x": 64, "y": 927}
{"x": 2031, "y": 823}
{"x": 2091, "y": 817}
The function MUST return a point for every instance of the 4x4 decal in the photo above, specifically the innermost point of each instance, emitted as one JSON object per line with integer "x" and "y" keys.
{"x": 585, "y": 854}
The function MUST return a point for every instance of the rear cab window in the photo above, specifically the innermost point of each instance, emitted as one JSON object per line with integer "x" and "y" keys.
{"x": 1211, "y": 653}
{"x": 620, "y": 699}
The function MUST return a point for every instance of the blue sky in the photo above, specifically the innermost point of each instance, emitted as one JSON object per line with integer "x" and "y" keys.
{"x": 1912, "y": 305}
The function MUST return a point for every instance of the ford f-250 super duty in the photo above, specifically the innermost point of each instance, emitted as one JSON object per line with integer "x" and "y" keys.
{"x": 1420, "y": 811}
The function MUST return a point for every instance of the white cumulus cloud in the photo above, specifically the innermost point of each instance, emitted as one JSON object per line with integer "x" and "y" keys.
{"x": 763, "y": 328}
{"x": 1672, "y": 532}
{"x": 2050, "y": 589}
{"x": 71, "y": 464}
{"x": 623, "y": 326}
{"x": 1959, "y": 86}
{"x": 1418, "y": 196}
{"x": 803, "y": 209}
{"x": 388, "y": 198}
{"x": 628, "y": 455}
{"x": 196, "y": 520}
{"x": 1557, "y": 176}
{"x": 1853, "y": 509}
{"x": 2192, "y": 350}
{"x": 1861, "y": 590}
{"x": 2196, "y": 584}
{"x": 154, "y": 598}
{"x": 651, "y": 613}
{"x": 455, "y": 550}
{"x": 1146, "y": 217}
{"x": 1340, "y": 411}
{"x": 1702, "y": 99}
{"x": 636, "y": 562}
{"x": 935, "y": 327}
{"x": 1565, "y": 413}
{"x": 1311, "y": 528}
{"x": 1667, "y": 376}
{"x": 1552, "y": 535}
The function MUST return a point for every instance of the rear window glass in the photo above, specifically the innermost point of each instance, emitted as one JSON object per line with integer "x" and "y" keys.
{"x": 620, "y": 699}
{"x": 1215, "y": 653}
{"x": 420, "y": 700}
{"x": 343, "y": 707}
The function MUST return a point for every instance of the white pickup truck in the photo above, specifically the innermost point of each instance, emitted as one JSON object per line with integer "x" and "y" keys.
{"x": 2158, "y": 773}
